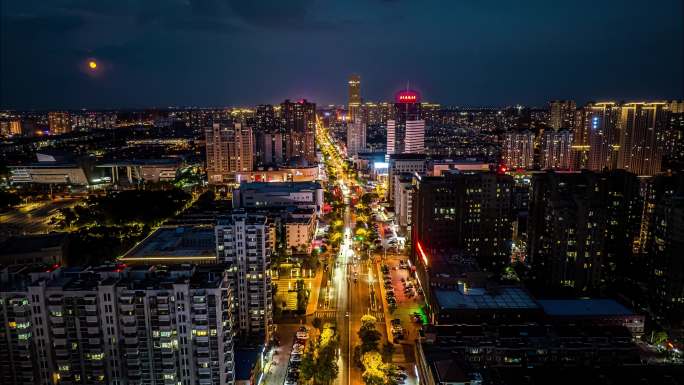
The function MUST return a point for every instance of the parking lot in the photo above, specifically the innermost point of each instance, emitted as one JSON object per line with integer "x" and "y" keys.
{"x": 404, "y": 299}
{"x": 300, "y": 339}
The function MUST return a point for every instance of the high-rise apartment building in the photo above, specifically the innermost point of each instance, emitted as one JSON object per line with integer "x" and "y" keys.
{"x": 245, "y": 242}
{"x": 674, "y": 139}
{"x": 299, "y": 123}
{"x": 59, "y": 122}
{"x": 229, "y": 150}
{"x": 664, "y": 250}
{"x": 642, "y": 128}
{"x": 555, "y": 148}
{"x": 356, "y": 137}
{"x": 601, "y": 121}
{"x": 377, "y": 113}
{"x": 118, "y": 326}
{"x": 518, "y": 149}
{"x": 355, "y": 98}
{"x": 579, "y": 151}
{"x": 462, "y": 214}
{"x": 562, "y": 114}
{"x": 406, "y": 131}
{"x": 10, "y": 127}
{"x": 582, "y": 226}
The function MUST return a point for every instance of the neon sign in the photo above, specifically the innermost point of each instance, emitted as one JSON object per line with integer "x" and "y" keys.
{"x": 422, "y": 253}
{"x": 407, "y": 96}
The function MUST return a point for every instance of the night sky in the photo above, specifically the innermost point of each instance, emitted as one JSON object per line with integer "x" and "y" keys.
{"x": 227, "y": 52}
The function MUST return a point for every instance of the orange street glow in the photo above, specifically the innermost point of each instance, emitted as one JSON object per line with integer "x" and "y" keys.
{"x": 422, "y": 253}
{"x": 92, "y": 64}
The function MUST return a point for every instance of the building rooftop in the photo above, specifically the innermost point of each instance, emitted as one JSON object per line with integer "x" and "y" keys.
{"x": 583, "y": 307}
{"x": 31, "y": 243}
{"x": 481, "y": 299}
{"x": 184, "y": 244}
{"x": 279, "y": 186}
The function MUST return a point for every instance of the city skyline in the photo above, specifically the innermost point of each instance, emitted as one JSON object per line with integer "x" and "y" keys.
{"x": 316, "y": 192}
{"x": 107, "y": 50}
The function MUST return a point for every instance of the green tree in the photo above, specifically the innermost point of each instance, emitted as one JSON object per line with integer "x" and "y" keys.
{"x": 302, "y": 296}
{"x": 317, "y": 323}
{"x": 368, "y": 334}
{"x": 387, "y": 351}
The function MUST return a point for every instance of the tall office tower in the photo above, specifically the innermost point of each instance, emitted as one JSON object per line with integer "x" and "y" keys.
{"x": 105, "y": 325}
{"x": 556, "y": 147}
{"x": 356, "y": 137}
{"x": 642, "y": 129}
{"x": 355, "y": 98}
{"x": 562, "y": 114}
{"x": 299, "y": 122}
{"x": 602, "y": 120}
{"x": 466, "y": 214}
{"x": 229, "y": 150}
{"x": 406, "y": 131}
{"x": 665, "y": 254}
{"x": 244, "y": 241}
{"x": 518, "y": 149}
{"x": 582, "y": 226}
{"x": 59, "y": 122}
{"x": 391, "y": 139}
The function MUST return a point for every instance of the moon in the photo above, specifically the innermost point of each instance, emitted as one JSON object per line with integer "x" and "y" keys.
{"x": 92, "y": 64}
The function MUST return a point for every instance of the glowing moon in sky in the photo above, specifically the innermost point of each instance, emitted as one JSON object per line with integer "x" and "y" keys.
{"x": 92, "y": 64}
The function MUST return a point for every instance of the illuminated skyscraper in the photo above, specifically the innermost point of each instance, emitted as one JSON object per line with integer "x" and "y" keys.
{"x": 642, "y": 134}
{"x": 518, "y": 149}
{"x": 299, "y": 122}
{"x": 406, "y": 132}
{"x": 229, "y": 150}
{"x": 561, "y": 114}
{"x": 60, "y": 123}
{"x": 556, "y": 150}
{"x": 354, "y": 97}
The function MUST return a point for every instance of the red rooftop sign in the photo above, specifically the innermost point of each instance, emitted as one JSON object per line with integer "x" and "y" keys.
{"x": 407, "y": 96}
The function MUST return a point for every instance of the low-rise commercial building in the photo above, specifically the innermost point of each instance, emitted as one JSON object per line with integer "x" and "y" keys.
{"x": 279, "y": 194}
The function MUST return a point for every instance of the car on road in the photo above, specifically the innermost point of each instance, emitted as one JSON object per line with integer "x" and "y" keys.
{"x": 296, "y": 357}
{"x": 303, "y": 333}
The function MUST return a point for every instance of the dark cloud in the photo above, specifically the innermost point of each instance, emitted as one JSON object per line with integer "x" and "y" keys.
{"x": 222, "y": 52}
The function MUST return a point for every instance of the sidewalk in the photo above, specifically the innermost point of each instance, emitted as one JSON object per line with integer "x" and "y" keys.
{"x": 315, "y": 292}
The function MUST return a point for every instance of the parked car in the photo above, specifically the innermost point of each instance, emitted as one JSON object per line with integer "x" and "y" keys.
{"x": 303, "y": 333}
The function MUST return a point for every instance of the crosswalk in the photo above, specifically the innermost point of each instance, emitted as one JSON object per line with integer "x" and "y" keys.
{"x": 332, "y": 314}
{"x": 325, "y": 314}
{"x": 378, "y": 314}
